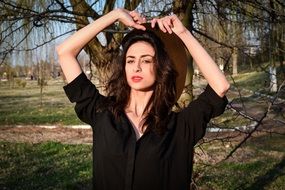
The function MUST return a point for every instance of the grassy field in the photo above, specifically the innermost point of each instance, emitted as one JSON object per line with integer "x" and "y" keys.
{"x": 257, "y": 81}
{"x": 259, "y": 165}
{"x": 47, "y": 165}
{"x": 23, "y": 105}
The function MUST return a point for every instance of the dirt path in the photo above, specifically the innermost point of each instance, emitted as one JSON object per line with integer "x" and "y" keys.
{"x": 66, "y": 135}
{"x": 36, "y": 134}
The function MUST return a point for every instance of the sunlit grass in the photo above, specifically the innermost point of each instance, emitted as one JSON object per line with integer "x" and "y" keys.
{"x": 254, "y": 81}
{"x": 20, "y": 105}
{"x": 230, "y": 119}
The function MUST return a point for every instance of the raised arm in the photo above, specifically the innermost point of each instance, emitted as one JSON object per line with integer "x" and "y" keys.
{"x": 206, "y": 64}
{"x": 70, "y": 48}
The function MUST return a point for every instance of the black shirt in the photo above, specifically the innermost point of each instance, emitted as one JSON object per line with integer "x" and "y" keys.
{"x": 160, "y": 162}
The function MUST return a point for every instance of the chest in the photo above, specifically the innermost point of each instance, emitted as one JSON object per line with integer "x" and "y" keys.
{"x": 152, "y": 158}
{"x": 137, "y": 124}
{"x": 120, "y": 137}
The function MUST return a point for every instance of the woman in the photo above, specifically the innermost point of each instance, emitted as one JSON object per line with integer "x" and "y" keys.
{"x": 138, "y": 142}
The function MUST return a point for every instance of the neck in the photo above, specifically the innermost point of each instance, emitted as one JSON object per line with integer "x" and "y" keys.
{"x": 138, "y": 102}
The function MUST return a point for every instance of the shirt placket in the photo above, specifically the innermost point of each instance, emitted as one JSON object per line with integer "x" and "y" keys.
{"x": 129, "y": 177}
{"x": 130, "y": 163}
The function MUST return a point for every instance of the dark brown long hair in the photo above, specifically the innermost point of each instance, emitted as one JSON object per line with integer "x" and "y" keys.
{"x": 164, "y": 95}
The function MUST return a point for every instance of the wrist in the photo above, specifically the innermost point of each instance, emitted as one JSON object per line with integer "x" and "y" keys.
{"x": 118, "y": 13}
{"x": 185, "y": 33}
{"x": 113, "y": 15}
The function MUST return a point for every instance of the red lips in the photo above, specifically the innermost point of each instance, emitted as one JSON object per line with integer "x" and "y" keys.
{"x": 136, "y": 78}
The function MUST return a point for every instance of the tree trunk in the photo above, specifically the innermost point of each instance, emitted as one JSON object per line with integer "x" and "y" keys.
{"x": 184, "y": 10}
{"x": 273, "y": 78}
{"x": 281, "y": 48}
{"x": 273, "y": 45}
{"x": 101, "y": 55}
{"x": 235, "y": 61}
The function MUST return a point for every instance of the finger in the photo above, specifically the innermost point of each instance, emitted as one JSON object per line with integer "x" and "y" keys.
{"x": 144, "y": 19}
{"x": 136, "y": 16}
{"x": 141, "y": 19}
{"x": 153, "y": 22}
{"x": 138, "y": 26}
{"x": 133, "y": 13}
{"x": 170, "y": 22}
{"x": 173, "y": 16}
{"x": 174, "y": 19}
{"x": 160, "y": 25}
{"x": 167, "y": 24}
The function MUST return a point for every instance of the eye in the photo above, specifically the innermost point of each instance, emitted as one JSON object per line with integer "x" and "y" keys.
{"x": 130, "y": 61}
{"x": 147, "y": 61}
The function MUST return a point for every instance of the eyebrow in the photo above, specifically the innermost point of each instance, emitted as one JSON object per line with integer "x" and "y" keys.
{"x": 146, "y": 55}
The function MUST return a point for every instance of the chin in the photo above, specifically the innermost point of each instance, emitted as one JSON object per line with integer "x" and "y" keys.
{"x": 142, "y": 88}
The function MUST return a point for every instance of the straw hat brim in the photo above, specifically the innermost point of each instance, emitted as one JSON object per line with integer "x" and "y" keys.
{"x": 177, "y": 53}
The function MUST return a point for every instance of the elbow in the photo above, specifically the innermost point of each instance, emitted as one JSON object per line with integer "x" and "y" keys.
{"x": 59, "y": 50}
{"x": 62, "y": 51}
{"x": 64, "y": 54}
{"x": 224, "y": 89}
{"x": 60, "y": 54}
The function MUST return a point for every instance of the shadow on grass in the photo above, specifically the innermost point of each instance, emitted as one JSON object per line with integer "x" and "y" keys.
{"x": 81, "y": 185}
{"x": 45, "y": 166}
{"x": 270, "y": 176}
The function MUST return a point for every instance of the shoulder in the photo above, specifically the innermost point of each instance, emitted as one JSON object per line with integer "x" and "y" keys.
{"x": 208, "y": 102}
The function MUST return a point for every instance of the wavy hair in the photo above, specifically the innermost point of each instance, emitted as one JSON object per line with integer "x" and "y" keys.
{"x": 164, "y": 95}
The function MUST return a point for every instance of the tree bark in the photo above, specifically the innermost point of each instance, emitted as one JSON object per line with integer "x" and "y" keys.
{"x": 184, "y": 10}
{"x": 100, "y": 55}
{"x": 235, "y": 61}
{"x": 274, "y": 45}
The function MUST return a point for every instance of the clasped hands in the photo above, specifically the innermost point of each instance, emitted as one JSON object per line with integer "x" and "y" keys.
{"x": 134, "y": 19}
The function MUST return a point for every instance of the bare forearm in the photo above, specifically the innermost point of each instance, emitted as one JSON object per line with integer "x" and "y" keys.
{"x": 70, "y": 48}
{"x": 78, "y": 40}
{"x": 206, "y": 64}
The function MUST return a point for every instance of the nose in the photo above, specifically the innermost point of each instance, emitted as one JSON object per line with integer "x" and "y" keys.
{"x": 137, "y": 67}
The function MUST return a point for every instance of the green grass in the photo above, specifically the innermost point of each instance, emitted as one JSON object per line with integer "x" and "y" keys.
{"x": 20, "y": 105}
{"x": 48, "y": 165}
{"x": 253, "y": 81}
{"x": 230, "y": 119}
{"x": 257, "y": 81}
{"x": 260, "y": 164}
{"x": 53, "y": 165}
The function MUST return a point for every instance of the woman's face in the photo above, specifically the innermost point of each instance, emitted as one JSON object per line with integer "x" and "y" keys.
{"x": 140, "y": 66}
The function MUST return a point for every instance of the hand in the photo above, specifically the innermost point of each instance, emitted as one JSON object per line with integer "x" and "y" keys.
{"x": 169, "y": 24}
{"x": 131, "y": 18}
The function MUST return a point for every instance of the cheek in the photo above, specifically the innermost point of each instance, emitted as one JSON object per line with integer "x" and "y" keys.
{"x": 128, "y": 74}
{"x": 152, "y": 72}
{"x": 127, "y": 70}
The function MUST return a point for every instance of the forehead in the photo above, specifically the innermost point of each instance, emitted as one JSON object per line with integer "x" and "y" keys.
{"x": 140, "y": 48}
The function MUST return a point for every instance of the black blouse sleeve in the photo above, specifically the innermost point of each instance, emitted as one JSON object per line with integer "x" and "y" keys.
{"x": 86, "y": 96}
{"x": 199, "y": 112}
